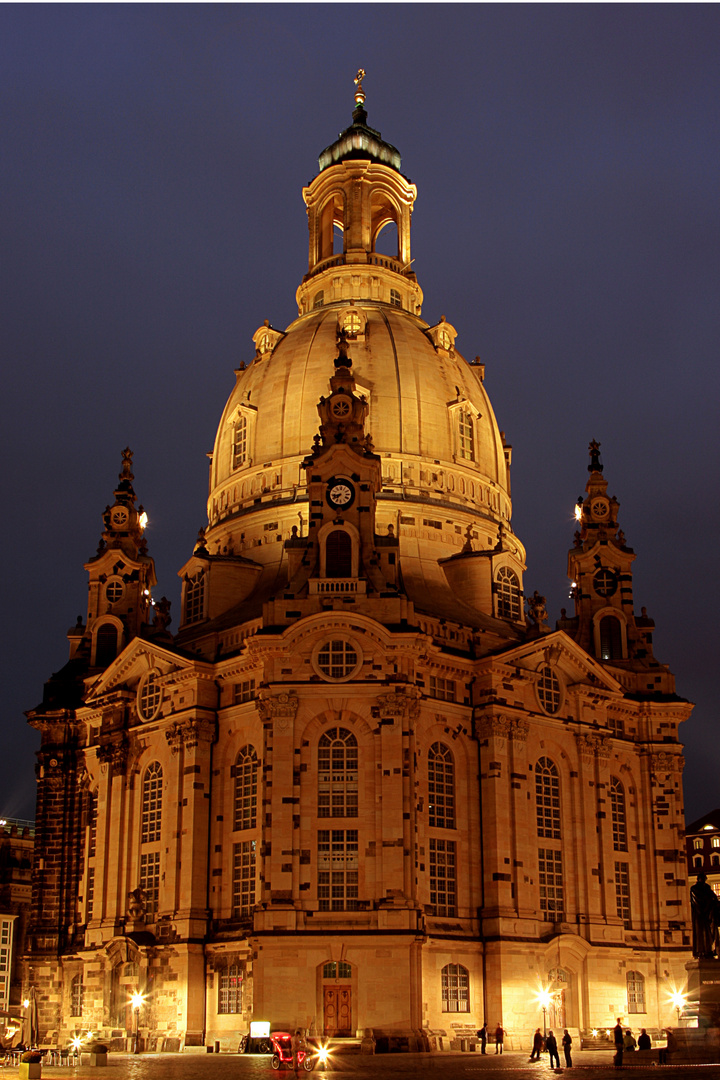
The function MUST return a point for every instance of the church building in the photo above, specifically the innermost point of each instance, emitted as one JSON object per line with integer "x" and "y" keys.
{"x": 365, "y": 789}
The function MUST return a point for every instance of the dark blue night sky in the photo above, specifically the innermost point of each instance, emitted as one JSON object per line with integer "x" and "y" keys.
{"x": 568, "y": 224}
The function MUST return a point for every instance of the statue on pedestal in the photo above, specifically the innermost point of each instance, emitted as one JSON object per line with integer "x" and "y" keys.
{"x": 705, "y": 919}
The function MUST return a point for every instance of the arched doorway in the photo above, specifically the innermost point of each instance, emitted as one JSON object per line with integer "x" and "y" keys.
{"x": 337, "y": 998}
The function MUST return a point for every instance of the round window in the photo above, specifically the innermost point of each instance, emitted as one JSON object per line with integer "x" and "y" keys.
{"x": 113, "y": 591}
{"x": 149, "y": 697}
{"x": 605, "y": 582}
{"x": 337, "y": 659}
{"x": 548, "y": 690}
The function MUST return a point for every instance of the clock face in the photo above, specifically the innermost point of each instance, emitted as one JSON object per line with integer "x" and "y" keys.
{"x": 340, "y": 494}
{"x": 119, "y": 517}
{"x": 599, "y": 508}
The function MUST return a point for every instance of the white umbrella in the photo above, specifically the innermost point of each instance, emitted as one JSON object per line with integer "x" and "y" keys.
{"x": 30, "y": 1021}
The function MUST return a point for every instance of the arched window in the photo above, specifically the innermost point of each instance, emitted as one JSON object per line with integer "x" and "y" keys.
{"x": 548, "y": 690}
{"x": 455, "y": 988}
{"x": 149, "y": 697}
{"x": 352, "y": 323}
{"x": 610, "y": 638}
{"x": 240, "y": 442}
{"x": 619, "y": 820}
{"x": 635, "y": 992}
{"x": 508, "y": 594}
{"x": 230, "y": 989}
{"x": 547, "y": 798}
{"x": 715, "y": 859}
{"x": 246, "y": 788}
{"x": 76, "y": 995}
{"x": 466, "y": 429}
{"x": 698, "y": 843}
{"x": 337, "y": 774}
{"x": 441, "y": 787}
{"x": 195, "y": 598}
{"x": 338, "y": 554}
{"x": 152, "y": 803}
{"x": 698, "y": 862}
{"x": 319, "y": 299}
{"x": 106, "y": 645}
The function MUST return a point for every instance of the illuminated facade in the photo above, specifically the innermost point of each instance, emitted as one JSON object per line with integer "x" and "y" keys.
{"x": 361, "y": 789}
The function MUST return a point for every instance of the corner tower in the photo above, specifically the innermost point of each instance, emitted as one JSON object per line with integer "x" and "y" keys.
{"x": 600, "y": 571}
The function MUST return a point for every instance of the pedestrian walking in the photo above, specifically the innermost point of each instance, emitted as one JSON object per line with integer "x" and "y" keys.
{"x": 482, "y": 1036}
{"x": 499, "y": 1037}
{"x": 618, "y": 1038}
{"x": 567, "y": 1051}
{"x": 537, "y": 1046}
{"x": 552, "y": 1049}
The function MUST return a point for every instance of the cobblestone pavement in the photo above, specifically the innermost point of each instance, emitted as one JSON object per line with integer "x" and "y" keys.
{"x": 592, "y": 1065}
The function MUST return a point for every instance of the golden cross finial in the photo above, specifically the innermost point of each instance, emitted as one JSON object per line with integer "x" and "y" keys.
{"x": 359, "y": 93}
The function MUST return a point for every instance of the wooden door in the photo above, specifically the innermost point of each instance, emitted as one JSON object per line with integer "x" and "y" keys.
{"x": 337, "y": 1010}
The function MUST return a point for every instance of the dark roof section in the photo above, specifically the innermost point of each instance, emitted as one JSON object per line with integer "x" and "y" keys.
{"x": 713, "y": 818}
{"x": 360, "y": 142}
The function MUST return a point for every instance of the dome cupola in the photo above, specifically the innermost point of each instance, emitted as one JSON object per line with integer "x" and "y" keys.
{"x": 359, "y": 192}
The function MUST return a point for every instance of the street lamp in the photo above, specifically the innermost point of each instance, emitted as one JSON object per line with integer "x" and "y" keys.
{"x": 137, "y": 1001}
{"x": 679, "y": 1000}
{"x": 544, "y": 997}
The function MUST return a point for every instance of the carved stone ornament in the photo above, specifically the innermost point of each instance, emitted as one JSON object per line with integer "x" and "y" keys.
{"x": 84, "y": 780}
{"x": 593, "y": 746}
{"x": 664, "y": 764}
{"x": 137, "y": 905}
{"x": 519, "y": 730}
{"x": 189, "y": 734}
{"x": 113, "y": 754}
{"x": 495, "y": 727}
{"x": 398, "y": 706}
{"x": 279, "y": 706}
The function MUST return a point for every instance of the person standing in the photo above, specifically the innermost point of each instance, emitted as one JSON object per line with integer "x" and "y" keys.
{"x": 499, "y": 1037}
{"x": 618, "y": 1037}
{"x": 537, "y": 1045}
{"x": 298, "y": 1045}
{"x": 482, "y": 1036}
{"x": 552, "y": 1049}
{"x": 566, "y": 1045}
{"x": 644, "y": 1041}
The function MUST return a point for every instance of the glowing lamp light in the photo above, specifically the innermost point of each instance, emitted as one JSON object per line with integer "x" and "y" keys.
{"x": 543, "y": 998}
{"x": 578, "y": 513}
{"x": 323, "y": 1053}
{"x": 679, "y": 1001}
{"x": 26, "y": 1003}
{"x": 137, "y": 1000}
{"x": 76, "y": 1043}
{"x": 143, "y": 521}
{"x": 594, "y": 1033}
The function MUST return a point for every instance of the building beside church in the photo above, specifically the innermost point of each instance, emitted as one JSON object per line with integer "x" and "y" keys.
{"x": 16, "y": 858}
{"x": 361, "y": 789}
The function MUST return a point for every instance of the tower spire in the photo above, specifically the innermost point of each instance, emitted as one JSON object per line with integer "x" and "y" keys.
{"x": 600, "y": 571}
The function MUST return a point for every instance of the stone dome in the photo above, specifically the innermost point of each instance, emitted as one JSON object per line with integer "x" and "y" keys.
{"x": 445, "y": 490}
